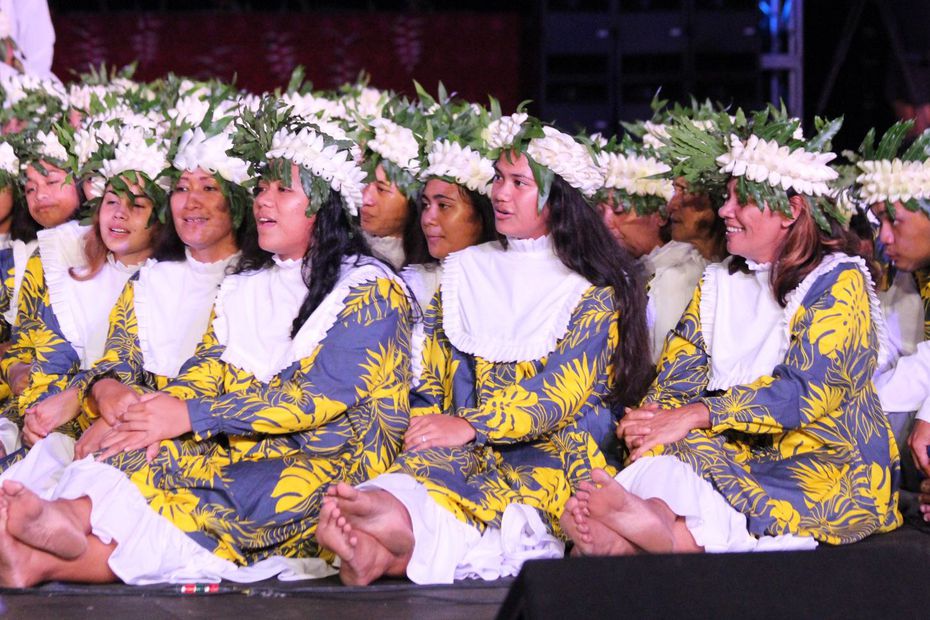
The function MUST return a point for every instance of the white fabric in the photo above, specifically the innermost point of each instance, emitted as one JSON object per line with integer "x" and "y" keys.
{"x": 508, "y": 305}
{"x": 389, "y": 249}
{"x": 446, "y": 549}
{"x": 173, "y": 301}
{"x": 255, "y": 311}
{"x": 22, "y": 252}
{"x": 746, "y": 333}
{"x": 32, "y": 29}
{"x": 713, "y": 522}
{"x": 423, "y": 281}
{"x": 6, "y": 241}
{"x": 10, "y": 436}
{"x": 82, "y": 307}
{"x": 904, "y": 313}
{"x": 150, "y": 549}
{"x": 906, "y": 387}
{"x": 675, "y": 268}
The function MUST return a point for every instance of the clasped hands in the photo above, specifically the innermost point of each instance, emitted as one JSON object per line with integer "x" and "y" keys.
{"x": 132, "y": 421}
{"x": 437, "y": 430}
{"x": 648, "y": 426}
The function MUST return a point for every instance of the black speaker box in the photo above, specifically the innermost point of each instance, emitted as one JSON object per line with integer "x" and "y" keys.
{"x": 843, "y": 582}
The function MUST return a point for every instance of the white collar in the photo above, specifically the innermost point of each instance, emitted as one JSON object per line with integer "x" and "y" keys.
{"x": 6, "y": 241}
{"x": 389, "y": 249}
{"x": 22, "y": 252}
{"x": 255, "y": 312}
{"x": 423, "y": 281}
{"x": 172, "y": 301}
{"x": 746, "y": 333}
{"x": 508, "y": 305}
{"x": 670, "y": 255}
{"x": 82, "y": 307}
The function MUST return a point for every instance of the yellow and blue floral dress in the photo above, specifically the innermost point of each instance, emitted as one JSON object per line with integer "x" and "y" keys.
{"x": 806, "y": 449}
{"x": 249, "y": 483}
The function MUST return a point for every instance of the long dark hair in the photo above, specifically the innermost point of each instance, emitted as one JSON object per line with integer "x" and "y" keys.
{"x": 584, "y": 245}
{"x": 802, "y": 250}
{"x": 415, "y": 246}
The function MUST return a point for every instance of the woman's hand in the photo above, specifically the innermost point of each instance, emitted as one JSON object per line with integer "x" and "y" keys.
{"x": 19, "y": 377}
{"x": 437, "y": 431}
{"x": 91, "y": 438}
{"x": 113, "y": 399}
{"x": 154, "y": 418}
{"x": 667, "y": 426}
{"x": 634, "y": 423}
{"x": 47, "y": 415}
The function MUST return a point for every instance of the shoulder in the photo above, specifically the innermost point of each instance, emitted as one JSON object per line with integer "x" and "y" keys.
{"x": 846, "y": 279}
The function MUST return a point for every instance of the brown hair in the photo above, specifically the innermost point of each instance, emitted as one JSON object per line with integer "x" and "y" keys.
{"x": 802, "y": 250}
{"x": 95, "y": 250}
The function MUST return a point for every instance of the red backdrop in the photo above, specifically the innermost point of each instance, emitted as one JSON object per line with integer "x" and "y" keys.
{"x": 473, "y": 54}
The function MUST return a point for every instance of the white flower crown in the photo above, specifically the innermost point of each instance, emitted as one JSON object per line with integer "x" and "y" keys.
{"x": 568, "y": 158}
{"x": 9, "y": 163}
{"x": 138, "y": 151}
{"x": 886, "y": 180}
{"x": 335, "y": 165}
{"x": 501, "y": 133}
{"x": 630, "y": 173}
{"x": 397, "y": 144}
{"x": 198, "y": 150}
{"x": 768, "y": 162}
{"x": 461, "y": 163}
{"x": 49, "y": 146}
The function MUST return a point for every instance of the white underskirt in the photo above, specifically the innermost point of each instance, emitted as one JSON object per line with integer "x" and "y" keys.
{"x": 713, "y": 522}
{"x": 150, "y": 549}
{"x": 10, "y": 436}
{"x": 446, "y": 549}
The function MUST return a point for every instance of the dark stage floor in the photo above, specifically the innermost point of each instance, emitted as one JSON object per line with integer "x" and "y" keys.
{"x": 323, "y": 598}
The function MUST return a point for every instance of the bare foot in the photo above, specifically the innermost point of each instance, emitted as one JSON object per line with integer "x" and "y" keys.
{"x": 591, "y": 537}
{"x": 49, "y": 526}
{"x": 364, "y": 559}
{"x": 377, "y": 513}
{"x": 604, "y": 500}
{"x": 15, "y": 557}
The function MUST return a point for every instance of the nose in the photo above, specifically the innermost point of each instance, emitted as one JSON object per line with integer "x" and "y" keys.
{"x": 368, "y": 195}
{"x": 263, "y": 199}
{"x": 191, "y": 199}
{"x": 500, "y": 192}
{"x": 886, "y": 233}
{"x": 728, "y": 209}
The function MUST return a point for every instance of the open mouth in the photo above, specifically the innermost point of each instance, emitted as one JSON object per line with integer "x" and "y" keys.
{"x": 118, "y": 231}
{"x": 195, "y": 220}
{"x": 735, "y": 229}
{"x": 266, "y": 221}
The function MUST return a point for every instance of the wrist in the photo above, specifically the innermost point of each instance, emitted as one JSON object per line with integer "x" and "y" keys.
{"x": 700, "y": 415}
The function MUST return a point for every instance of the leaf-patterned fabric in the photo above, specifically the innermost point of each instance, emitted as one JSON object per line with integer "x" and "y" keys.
{"x": 806, "y": 450}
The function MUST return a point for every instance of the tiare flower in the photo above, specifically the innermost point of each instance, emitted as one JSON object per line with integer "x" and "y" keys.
{"x": 460, "y": 164}
{"x": 768, "y": 162}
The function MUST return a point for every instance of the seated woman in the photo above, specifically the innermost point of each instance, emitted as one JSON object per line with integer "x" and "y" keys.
{"x": 68, "y": 294}
{"x": 298, "y": 381}
{"x": 146, "y": 345}
{"x": 524, "y": 355}
{"x": 693, "y": 219}
{"x": 392, "y": 161}
{"x": 762, "y": 429}
{"x": 634, "y": 210}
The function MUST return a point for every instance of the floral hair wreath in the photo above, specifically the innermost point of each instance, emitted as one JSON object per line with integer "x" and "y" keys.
{"x": 393, "y": 141}
{"x": 548, "y": 151}
{"x": 456, "y": 153}
{"x": 886, "y": 176}
{"x": 767, "y": 155}
{"x": 272, "y": 138}
{"x": 633, "y": 177}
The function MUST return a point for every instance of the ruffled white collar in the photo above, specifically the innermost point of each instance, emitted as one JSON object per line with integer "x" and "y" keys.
{"x": 390, "y": 249}
{"x": 82, "y": 307}
{"x": 22, "y": 251}
{"x": 508, "y": 305}
{"x": 172, "y": 302}
{"x": 746, "y": 333}
{"x": 423, "y": 281}
{"x": 669, "y": 256}
{"x": 255, "y": 312}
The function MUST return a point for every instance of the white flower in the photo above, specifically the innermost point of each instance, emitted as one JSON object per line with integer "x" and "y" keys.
{"x": 567, "y": 158}
{"x": 311, "y": 107}
{"x": 397, "y": 144}
{"x": 893, "y": 180}
{"x": 9, "y": 163}
{"x": 655, "y": 135}
{"x": 95, "y": 186}
{"x": 138, "y": 151}
{"x": 79, "y": 95}
{"x": 18, "y": 86}
{"x": 766, "y": 161}
{"x": 598, "y": 140}
{"x": 464, "y": 164}
{"x": 190, "y": 109}
{"x": 197, "y": 150}
{"x": 336, "y": 166}
{"x": 369, "y": 103}
{"x": 630, "y": 173}
{"x": 6, "y": 29}
{"x": 50, "y": 147}
{"x": 501, "y": 133}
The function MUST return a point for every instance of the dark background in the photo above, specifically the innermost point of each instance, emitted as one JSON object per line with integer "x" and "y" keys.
{"x": 582, "y": 62}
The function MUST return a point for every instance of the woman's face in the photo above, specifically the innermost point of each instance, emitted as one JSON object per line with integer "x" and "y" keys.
{"x": 125, "y": 224}
{"x": 201, "y": 215}
{"x": 906, "y": 238}
{"x": 281, "y": 217}
{"x": 638, "y": 234}
{"x": 752, "y": 233}
{"x": 448, "y": 220}
{"x": 514, "y": 195}
{"x": 51, "y": 201}
{"x": 691, "y": 216}
{"x": 384, "y": 207}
